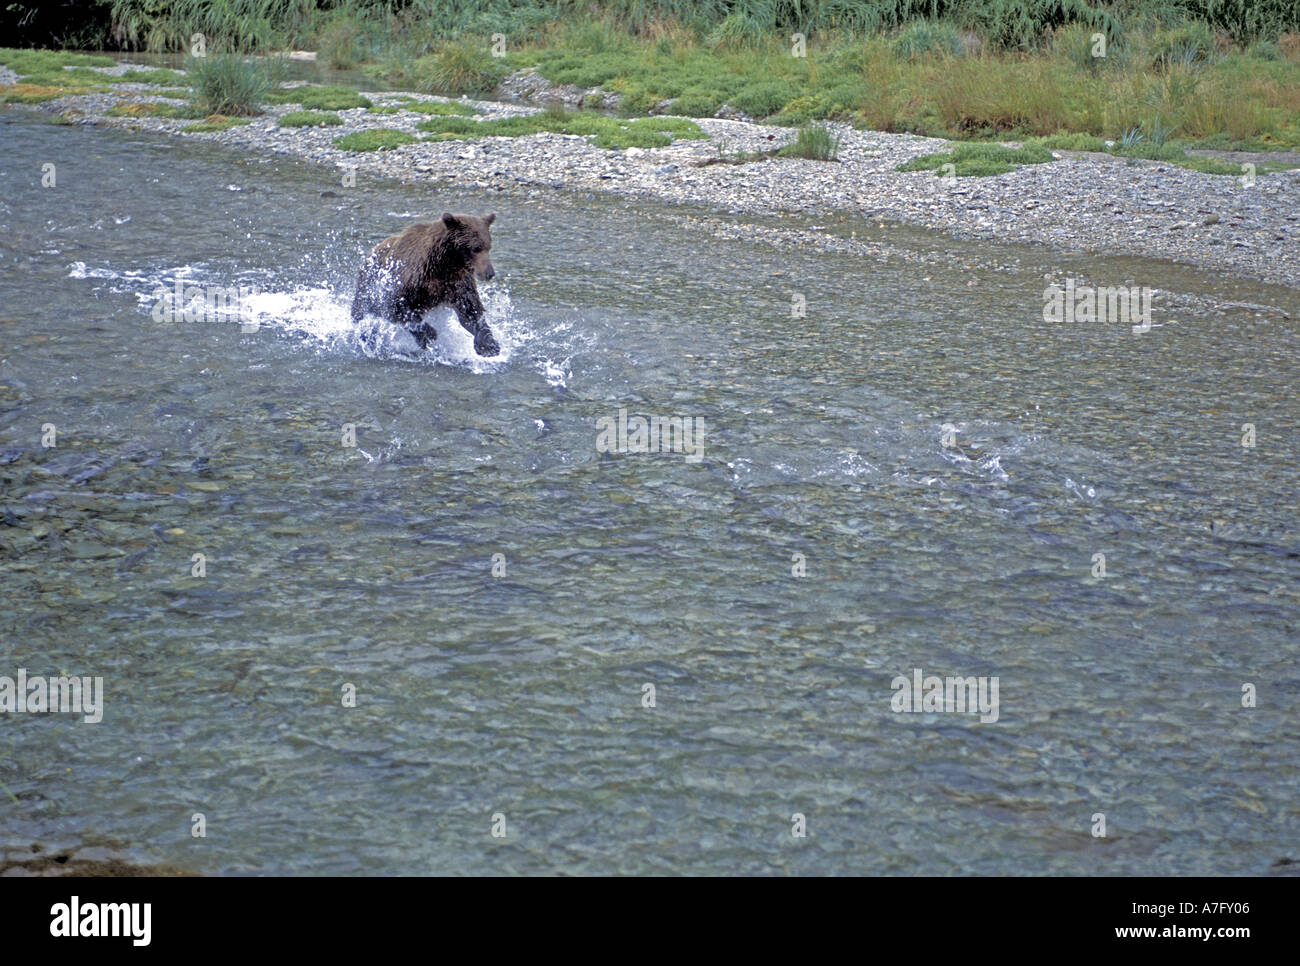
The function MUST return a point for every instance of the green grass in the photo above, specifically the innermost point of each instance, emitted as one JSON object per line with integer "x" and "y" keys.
{"x": 373, "y": 139}
{"x": 155, "y": 109}
{"x": 58, "y": 68}
{"x": 310, "y": 119}
{"x": 69, "y": 77}
{"x": 815, "y": 143}
{"x": 346, "y": 30}
{"x": 922, "y": 37}
{"x": 44, "y": 61}
{"x": 1226, "y": 71}
{"x": 928, "y": 79}
{"x": 1069, "y": 142}
{"x": 231, "y": 85}
{"x": 979, "y": 160}
{"x": 1174, "y": 153}
{"x": 444, "y": 108}
{"x": 247, "y": 25}
{"x": 696, "y": 102}
{"x": 764, "y": 98}
{"x": 1224, "y": 142}
{"x": 29, "y": 93}
{"x": 160, "y": 76}
{"x": 1146, "y": 151}
{"x": 214, "y": 122}
{"x": 316, "y": 97}
{"x": 600, "y": 129}
{"x": 1211, "y": 166}
{"x": 460, "y": 67}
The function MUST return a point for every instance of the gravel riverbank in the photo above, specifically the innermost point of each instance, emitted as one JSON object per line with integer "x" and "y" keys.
{"x": 1079, "y": 203}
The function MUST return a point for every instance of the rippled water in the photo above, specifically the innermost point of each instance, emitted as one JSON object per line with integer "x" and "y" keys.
{"x": 521, "y": 694}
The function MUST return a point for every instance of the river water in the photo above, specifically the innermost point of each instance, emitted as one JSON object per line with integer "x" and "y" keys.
{"x": 498, "y": 592}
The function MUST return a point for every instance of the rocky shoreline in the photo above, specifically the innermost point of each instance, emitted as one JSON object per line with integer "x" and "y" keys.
{"x": 1081, "y": 202}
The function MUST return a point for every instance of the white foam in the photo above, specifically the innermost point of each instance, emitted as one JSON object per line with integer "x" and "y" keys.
{"x": 323, "y": 315}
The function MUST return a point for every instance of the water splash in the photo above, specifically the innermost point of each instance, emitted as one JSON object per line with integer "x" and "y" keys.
{"x": 321, "y": 313}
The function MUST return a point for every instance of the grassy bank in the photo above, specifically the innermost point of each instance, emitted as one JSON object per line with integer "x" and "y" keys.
{"x": 1165, "y": 74}
{"x": 931, "y": 79}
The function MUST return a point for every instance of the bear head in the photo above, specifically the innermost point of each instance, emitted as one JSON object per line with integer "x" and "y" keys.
{"x": 468, "y": 237}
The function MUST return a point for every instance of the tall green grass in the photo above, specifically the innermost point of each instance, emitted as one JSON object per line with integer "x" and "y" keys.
{"x": 352, "y": 31}
{"x": 814, "y": 142}
{"x": 225, "y": 24}
{"x": 230, "y": 84}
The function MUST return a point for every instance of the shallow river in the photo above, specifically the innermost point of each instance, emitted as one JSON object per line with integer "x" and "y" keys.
{"x": 514, "y": 685}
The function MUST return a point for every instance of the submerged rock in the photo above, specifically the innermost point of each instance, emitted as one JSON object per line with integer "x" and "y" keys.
{"x": 95, "y": 861}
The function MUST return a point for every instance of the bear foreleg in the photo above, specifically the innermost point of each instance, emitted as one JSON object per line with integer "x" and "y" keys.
{"x": 469, "y": 312}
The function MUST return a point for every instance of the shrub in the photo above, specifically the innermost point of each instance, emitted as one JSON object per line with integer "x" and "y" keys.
{"x": 460, "y": 68}
{"x": 926, "y": 36}
{"x": 340, "y": 41}
{"x": 231, "y": 85}
{"x": 697, "y": 102}
{"x": 636, "y": 101}
{"x": 1075, "y": 44}
{"x": 840, "y": 101}
{"x": 1190, "y": 45}
{"x": 762, "y": 99}
{"x": 229, "y": 24}
{"x": 814, "y": 142}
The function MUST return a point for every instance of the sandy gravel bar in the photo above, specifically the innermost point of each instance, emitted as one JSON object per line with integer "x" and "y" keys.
{"x": 1081, "y": 202}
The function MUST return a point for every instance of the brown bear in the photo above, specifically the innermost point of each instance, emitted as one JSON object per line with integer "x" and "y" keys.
{"x": 430, "y": 264}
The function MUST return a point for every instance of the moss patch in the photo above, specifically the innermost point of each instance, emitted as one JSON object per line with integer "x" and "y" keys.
{"x": 41, "y": 61}
{"x": 310, "y": 119}
{"x": 314, "y": 97}
{"x": 29, "y": 93}
{"x": 600, "y": 129}
{"x": 160, "y": 76}
{"x": 1069, "y": 142}
{"x": 979, "y": 160}
{"x": 440, "y": 108}
{"x": 374, "y": 139}
{"x": 214, "y": 122}
{"x": 155, "y": 109}
{"x": 77, "y": 77}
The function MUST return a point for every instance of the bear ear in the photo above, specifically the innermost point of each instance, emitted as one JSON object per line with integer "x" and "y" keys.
{"x": 488, "y": 219}
{"x": 449, "y": 219}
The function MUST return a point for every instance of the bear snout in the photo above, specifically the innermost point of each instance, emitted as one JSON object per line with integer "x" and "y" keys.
{"x": 487, "y": 272}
